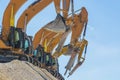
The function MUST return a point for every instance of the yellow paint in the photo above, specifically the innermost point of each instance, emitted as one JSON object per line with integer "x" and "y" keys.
{"x": 12, "y": 17}
{"x": 45, "y": 45}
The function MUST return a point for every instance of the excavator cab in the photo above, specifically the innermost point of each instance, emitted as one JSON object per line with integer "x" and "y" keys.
{"x": 28, "y": 45}
{"x": 43, "y": 57}
{"x": 38, "y": 53}
{"x": 19, "y": 40}
{"x": 48, "y": 59}
{"x": 15, "y": 38}
{"x": 11, "y": 37}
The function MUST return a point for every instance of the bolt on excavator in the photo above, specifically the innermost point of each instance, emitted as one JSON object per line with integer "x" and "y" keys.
{"x": 16, "y": 44}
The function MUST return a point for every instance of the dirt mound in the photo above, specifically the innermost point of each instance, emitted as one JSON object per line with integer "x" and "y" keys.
{"x": 21, "y": 70}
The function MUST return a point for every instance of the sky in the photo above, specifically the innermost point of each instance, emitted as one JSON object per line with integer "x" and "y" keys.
{"x": 103, "y": 34}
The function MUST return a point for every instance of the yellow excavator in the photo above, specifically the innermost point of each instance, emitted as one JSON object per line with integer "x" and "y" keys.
{"x": 8, "y": 27}
{"x": 49, "y": 36}
{"x": 8, "y": 17}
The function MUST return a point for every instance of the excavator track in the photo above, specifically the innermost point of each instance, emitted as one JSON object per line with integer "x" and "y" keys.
{"x": 7, "y": 56}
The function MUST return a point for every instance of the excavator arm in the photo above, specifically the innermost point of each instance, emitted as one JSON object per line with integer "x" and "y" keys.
{"x": 40, "y": 37}
{"x": 64, "y": 49}
{"x": 82, "y": 45}
{"x": 57, "y": 5}
{"x": 80, "y": 21}
{"x": 65, "y": 7}
{"x": 29, "y": 13}
{"x": 16, "y": 4}
{"x": 53, "y": 42}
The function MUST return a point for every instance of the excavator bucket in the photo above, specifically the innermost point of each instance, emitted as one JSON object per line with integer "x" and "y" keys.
{"x": 58, "y": 25}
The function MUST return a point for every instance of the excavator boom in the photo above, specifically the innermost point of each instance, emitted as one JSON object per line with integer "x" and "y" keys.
{"x": 57, "y": 5}
{"x": 80, "y": 21}
{"x": 65, "y": 7}
{"x": 31, "y": 12}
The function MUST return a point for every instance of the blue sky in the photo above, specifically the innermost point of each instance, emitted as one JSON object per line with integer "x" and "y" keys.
{"x": 103, "y": 33}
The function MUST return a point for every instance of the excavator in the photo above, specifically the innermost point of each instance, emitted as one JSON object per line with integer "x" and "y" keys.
{"x": 8, "y": 41}
{"x": 51, "y": 35}
{"x": 45, "y": 36}
{"x": 40, "y": 51}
